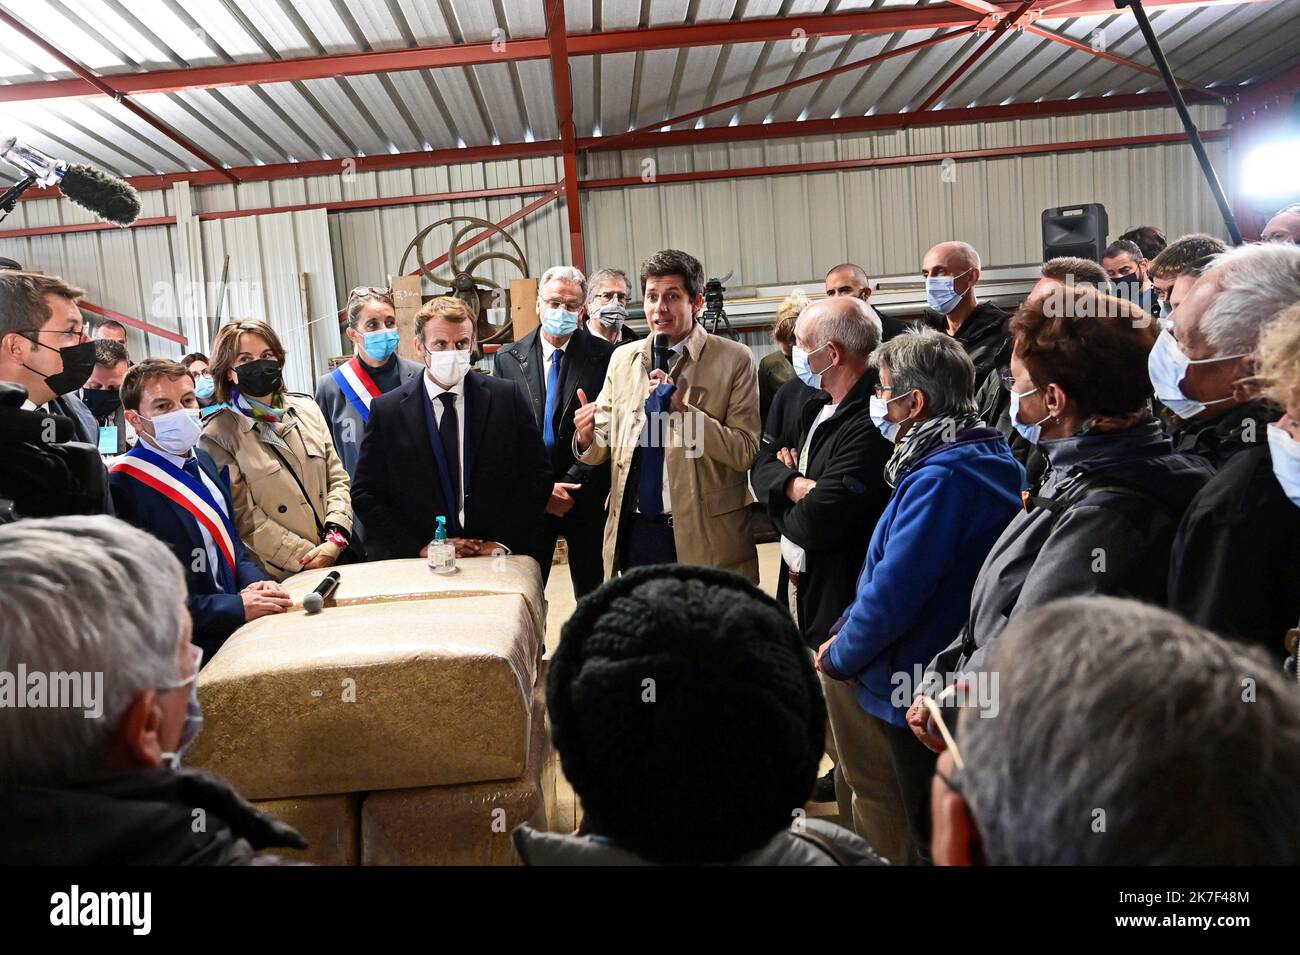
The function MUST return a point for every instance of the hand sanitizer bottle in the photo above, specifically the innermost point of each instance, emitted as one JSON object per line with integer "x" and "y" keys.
{"x": 442, "y": 552}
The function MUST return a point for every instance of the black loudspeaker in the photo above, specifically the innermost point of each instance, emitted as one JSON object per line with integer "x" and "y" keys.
{"x": 1075, "y": 230}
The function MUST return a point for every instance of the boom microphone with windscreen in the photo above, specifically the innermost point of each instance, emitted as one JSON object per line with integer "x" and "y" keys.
{"x": 93, "y": 189}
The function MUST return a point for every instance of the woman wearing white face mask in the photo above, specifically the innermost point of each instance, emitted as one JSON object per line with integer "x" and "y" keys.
{"x": 956, "y": 486}
{"x": 293, "y": 503}
{"x": 1104, "y": 520}
{"x": 1236, "y": 567}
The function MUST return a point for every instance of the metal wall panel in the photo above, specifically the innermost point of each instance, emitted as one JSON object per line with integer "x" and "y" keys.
{"x": 785, "y": 229}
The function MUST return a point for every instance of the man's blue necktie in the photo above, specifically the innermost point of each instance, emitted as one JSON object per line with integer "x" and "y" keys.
{"x": 650, "y": 496}
{"x": 449, "y": 433}
{"x": 552, "y": 399}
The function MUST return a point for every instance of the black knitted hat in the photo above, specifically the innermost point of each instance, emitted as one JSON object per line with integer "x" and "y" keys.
{"x": 686, "y": 713}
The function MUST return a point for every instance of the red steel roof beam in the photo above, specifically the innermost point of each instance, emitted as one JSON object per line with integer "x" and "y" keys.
{"x": 996, "y": 34}
{"x": 1087, "y": 8}
{"x": 613, "y": 142}
{"x": 561, "y": 82}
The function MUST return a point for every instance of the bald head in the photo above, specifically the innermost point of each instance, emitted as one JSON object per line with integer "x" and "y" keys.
{"x": 848, "y": 322}
{"x": 1284, "y": 226}
{"x": 849, "y": 280}
{"x": 950, "y": 258}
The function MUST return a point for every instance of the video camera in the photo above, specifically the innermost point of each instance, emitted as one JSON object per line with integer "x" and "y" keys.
{"x": 715, "y": 306}
{"x": 43, "y": 471}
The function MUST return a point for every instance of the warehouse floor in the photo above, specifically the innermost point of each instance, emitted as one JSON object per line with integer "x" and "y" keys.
{"x": 566, "y": 813}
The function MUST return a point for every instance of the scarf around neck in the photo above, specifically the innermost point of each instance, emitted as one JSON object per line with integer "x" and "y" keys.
{"x": 923, "y": 438}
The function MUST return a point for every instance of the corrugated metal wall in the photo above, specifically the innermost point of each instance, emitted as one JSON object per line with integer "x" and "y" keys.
{"x": 771, "y": 230}
{"x": 788, "y": 229}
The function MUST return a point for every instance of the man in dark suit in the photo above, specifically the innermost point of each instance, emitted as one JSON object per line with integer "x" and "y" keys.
{"x": 43, "y": 347}
{"x": 169, "y": 487}
{"x": 451, "y": 444}
{"x": 551, "y": 363}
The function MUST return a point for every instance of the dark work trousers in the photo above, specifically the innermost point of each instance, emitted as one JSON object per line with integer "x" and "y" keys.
{"x": 914, "y": 764}
{"x": 647, "y": 541}
{"x": 584, "y": 533}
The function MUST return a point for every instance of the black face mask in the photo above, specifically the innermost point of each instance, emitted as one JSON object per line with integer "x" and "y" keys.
{"x": 259, "y": 378}
{"x": 102, "y": 402}
{"x": 1128, "y": 282}
{"x": 78, "y": 363}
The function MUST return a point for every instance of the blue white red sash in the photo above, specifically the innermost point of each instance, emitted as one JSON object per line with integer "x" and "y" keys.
{"x": 152, "y": 469}
{"x": 358, "y": 387}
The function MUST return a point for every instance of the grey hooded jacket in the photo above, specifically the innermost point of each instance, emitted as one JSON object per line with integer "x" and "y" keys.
{"x": 1103, "y": 523}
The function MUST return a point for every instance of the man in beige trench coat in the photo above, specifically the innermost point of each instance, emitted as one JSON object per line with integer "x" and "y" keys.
{"x": 696, "y": 426}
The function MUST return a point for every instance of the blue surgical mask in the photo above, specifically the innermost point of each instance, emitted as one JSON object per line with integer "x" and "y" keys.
{"x": 193, "y": 713}
{"x": 813, "y": 379}
{"x": 879, "y": 408}
{"x": 1167, "y": 366}
{"x": 204, "y": 387}
{"x": 1285, "y": 451}
{"x": 559, "y": 322}
{"x": 941, "y": 293}
{"x": 381, "y": 344}
{"x": 1032, "y": 433}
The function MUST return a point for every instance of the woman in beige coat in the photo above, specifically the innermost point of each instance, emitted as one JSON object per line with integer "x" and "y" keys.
{"x": 293, "y": 504}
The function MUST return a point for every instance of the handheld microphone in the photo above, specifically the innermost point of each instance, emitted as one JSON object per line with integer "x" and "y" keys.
{"x": 662, "y": 355}
{"x": 93, "y": 189}
{"x": 315, "y": 600}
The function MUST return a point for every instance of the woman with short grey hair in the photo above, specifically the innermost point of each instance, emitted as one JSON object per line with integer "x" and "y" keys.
{"x": 956, "y": 487}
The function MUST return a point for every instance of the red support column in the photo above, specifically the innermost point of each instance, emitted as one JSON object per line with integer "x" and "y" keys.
{"x": 568, "y": 136}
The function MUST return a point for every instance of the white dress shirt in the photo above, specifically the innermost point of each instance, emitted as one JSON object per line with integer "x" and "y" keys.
{"x": 208, "y": 542}
{"x": 434, "y": 390}
{"x": 796, "y": 558}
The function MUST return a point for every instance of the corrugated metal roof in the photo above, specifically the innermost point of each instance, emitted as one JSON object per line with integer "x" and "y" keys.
{"x": 1219, "y": 46}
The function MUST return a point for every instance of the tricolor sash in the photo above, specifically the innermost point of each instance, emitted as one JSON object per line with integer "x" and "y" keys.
{"x": 357, "y": 386}
{"x": 150, "y": 468}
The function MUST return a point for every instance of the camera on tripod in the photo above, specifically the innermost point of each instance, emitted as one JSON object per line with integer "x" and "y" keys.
{"x": 715, "y": 306}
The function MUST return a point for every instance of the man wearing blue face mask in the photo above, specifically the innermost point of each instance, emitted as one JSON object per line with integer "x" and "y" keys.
{"x": 550, "y": 364}
{"x": 108, "y": 767}
{"x": 1236, "y": 560}
{"x": 344, "y": 394}
{"x": 952, "y": 271}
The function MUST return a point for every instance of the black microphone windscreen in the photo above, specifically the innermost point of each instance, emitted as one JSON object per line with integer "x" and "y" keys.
{"x": 106, "y": 196}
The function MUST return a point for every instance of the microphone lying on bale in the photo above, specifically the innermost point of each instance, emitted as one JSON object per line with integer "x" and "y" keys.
{"x": 315, "y": 600}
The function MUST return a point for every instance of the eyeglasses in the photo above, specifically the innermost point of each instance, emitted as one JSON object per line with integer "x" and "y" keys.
{"x": 880, "y": 390}
{"x": 610, "y": 296}
{"x": 567, "y": 306}
{"x": 196, "y": 655}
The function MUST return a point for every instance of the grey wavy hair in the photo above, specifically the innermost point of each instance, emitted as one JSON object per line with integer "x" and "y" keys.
{"x": 934, "y": 364}
{"x": 563, "y": 273}
{"x": 83, "y": 594}
{"x": 1256, "y": 284}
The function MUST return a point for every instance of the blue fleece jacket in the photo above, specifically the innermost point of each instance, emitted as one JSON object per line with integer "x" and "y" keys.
{"x": 913, "y": 594}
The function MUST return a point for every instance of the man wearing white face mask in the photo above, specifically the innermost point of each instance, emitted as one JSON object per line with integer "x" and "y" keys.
{"x": 171, "y": 488}
{"x": 452, "y": 444}
{"x": 1236, "y": 560}
{"x": 952, "y": 271}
